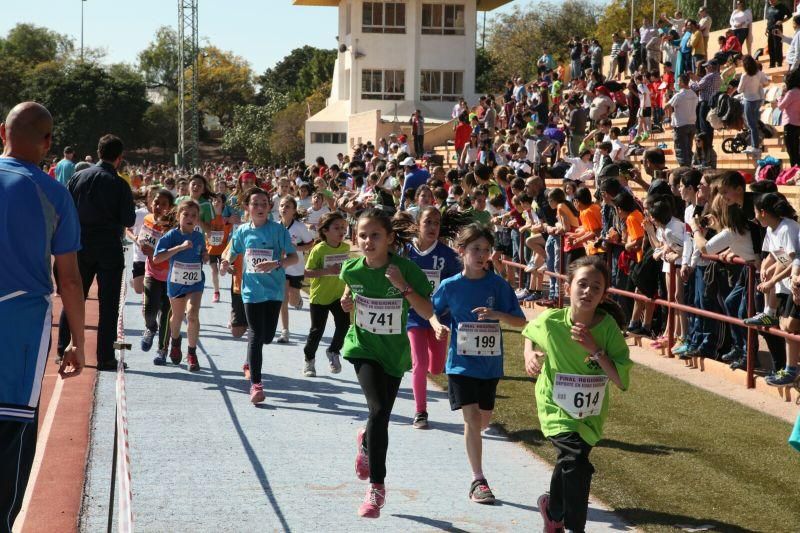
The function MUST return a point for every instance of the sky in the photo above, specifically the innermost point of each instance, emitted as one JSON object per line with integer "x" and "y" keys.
{"x": 261, "y": 31}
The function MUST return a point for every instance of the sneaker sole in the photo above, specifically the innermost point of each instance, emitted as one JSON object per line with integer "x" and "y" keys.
{"x": 484, "y": 501}
{"x": 369, "y": 514}
{"x": 310, "y": 374}
{"x": 175, "y": 360}
{"x": 160, "y": 362}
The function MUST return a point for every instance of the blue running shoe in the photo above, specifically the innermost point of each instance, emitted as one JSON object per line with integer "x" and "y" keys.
{"x": 161, "y": 358}
{"x": 781, "y": 378}
{"x": 147, "y": 340}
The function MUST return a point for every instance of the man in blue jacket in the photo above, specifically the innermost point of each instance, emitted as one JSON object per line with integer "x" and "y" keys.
{"x": 40, "y": 223}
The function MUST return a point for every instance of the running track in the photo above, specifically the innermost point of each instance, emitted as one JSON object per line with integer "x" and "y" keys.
{"x": 204, "y": 459}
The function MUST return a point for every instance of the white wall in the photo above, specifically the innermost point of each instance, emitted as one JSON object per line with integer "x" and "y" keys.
{"x": 326, "y": 150}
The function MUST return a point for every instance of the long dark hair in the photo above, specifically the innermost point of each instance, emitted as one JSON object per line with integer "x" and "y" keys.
{"x": 451, "y": 222}
{"x": 402, "y": 228}
{"x": 325, "y": 224}
{"x": 776, "y": 205}
{"x": 610, "y": 307}
{"x": 560, "y": 197}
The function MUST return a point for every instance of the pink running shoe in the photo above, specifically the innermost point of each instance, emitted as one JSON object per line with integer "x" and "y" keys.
{"x": 215, "y": 299}
{"x": 256, "y": 393}
{"x": 373, "y": 501}
{"x": 550, "y": 525}
{"x": 362, "y": 461}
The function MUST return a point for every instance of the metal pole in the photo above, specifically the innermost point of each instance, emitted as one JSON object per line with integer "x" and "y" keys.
{"x": 632, "y": 4}
{"x": 752, "y": 336}
{"x": 655, "y": 8}
{"x": 561, "y": 270}
{"x": 483, "y": 35}
{"x": 82, "y": 2}
{"x": 671, "y": 292}
{"x": 113, "y": 476}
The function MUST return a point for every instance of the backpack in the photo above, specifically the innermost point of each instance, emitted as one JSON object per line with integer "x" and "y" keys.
{"x": 787, "y": 174}
{"x": 769, "y": 172}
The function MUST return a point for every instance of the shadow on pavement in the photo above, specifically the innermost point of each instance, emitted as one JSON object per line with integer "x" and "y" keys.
{"x": 644, "y": 517}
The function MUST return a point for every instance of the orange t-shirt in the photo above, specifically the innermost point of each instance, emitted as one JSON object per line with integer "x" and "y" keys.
{"x": 148, "y": 236}
{"x": 591, "y": 221}
{"x": 635, "y": 229}
{"x": 219, "y": 231}
{"x": 238, "y": 268}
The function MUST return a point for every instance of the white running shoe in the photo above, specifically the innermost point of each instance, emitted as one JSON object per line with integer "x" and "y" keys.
{"x": 308, "y": 369}
{"x": 284, "y": 337}
{"x": 335, "y": 363}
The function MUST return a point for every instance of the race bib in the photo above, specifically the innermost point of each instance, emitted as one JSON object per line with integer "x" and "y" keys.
{"x": 186, "y": 273}
{"x": 580, "y": 396}
{"x": 782, "y": 257}
{"x": 215, "y": 238}
{"x": 434, "y": 277}
{"x": 149, "y": 236}
{"x": 382, "y": 316}
{"x": 479, "y": 338}
{"x": 254, "y": 257}
{"x": 334, "y": 259}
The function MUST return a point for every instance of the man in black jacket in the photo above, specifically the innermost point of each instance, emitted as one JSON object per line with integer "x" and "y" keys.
{"x": 105, "y": 208}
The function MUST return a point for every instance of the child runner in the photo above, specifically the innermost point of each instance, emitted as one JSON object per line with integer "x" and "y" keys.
{"x": 439, "y": 262}
{"x": 139, "y": 256}
{"x": 477, "y": 301}
{"x": 302, "y": 240}
{"x": 575, "y": 351}
{"x": 381, "y": 286}
{"x": 323, "y": 266}
{"x": 156, "y": 301}
{"x": 185, "y": 249}
{"x": 267, "y": 250}
{"x": 217, "y": 239}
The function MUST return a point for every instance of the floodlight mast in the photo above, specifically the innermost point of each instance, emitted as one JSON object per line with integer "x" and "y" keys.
{"x": 189, "y": 115}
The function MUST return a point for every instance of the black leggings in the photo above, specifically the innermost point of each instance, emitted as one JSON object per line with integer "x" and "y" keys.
{"x": 572, "y": 478}
{"x": 319, "y": 318}
{"x": 17, "y": 448}
{"x": 380, "y": 390}
{"x": 791, "y": 139}
{"x": 262, "y": 319}
{"x": 157, "y": 309}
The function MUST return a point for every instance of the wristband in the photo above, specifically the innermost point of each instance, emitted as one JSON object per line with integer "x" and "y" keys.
{"x": 408, "y": 290}
{"x": 596, "y": 355}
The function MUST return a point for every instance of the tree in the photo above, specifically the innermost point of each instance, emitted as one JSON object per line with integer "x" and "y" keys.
{"x": 225, "y": 81}
{"x": 160, "y": 62}
{"x": 88, "y": 101}
{"x": 161, "y": 124}
{"x": 30, "y": 45}
{"x": 514, "y": 40}
{"x": 486, "y": 77}
{"x": 287, "y": 140}
{"x": 616, "y": 17}
{"x": 298, "y": 74}
{"x": 251, "y": 128}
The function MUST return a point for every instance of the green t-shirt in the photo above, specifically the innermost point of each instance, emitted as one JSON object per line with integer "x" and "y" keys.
{"x": 206, "y": 210}
{"x": 550, "y": 332}
{"x": 392, "y": 350}
{"x": 327, "y": 289}
{"x": 484, "y": 218}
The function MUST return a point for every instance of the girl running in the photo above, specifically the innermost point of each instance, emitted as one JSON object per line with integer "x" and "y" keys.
{"x": 381, "y": 286}
{"x": 156, "y": 301}
{"x": 575, "y": 351}
{"x": 201, "y": 194}
{"x": 267, "y": 250}
{"x": 302, "y": 241}
{"x": 217, "y": 239}
{"x": 185, "y": 249}
{"x": 323, "y": 266}
{"x": 477, "y": 302}
{"x": 439, "y": 262}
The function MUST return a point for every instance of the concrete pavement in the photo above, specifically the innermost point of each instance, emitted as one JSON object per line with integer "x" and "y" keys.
{"x": 205, "y": 459}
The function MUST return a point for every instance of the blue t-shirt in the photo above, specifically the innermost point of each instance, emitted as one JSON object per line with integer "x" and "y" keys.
{"x": 64, "y": 171}
{"x": 415, "y": 178}
{"x": 460, "y": 295}
{"x": 439, "y": 257}
{"x": 262, "y": 286}
{"x": 39, "y": 219}
{"x": 190, "y": 258}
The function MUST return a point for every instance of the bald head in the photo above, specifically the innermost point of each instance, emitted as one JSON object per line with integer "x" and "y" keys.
{"x": 27, "y": 132}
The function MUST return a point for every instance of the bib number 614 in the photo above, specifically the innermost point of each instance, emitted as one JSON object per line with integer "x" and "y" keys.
{"x": 587, "y": 399}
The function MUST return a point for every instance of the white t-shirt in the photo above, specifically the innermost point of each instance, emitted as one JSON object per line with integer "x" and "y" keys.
{"x": 303, "y": 203}
{"x": 314, "y": 215}
{"x": 300, "y": 234}
{"x": 672, "y": 237}
{"x": 644, "y": 96}
{"x": 684, "y": 104}
{"x": 752, "y": 87}
{"x": 781, "y": 243}
{"x": 741, "y": 245}
{"x": 138, "y": 255}
{"x": 618, "y": 151}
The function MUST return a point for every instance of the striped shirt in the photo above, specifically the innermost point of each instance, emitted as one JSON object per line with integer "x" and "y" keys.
{"x": 708, "y": 86}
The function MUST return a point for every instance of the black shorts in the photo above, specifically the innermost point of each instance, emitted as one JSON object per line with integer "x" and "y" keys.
{"x": 786, "y": 307}
{"x": 502, "y": 241}
{"x": 466, "y": 390}
{"x": 647, "y": 112}
{"x": 214, "y": 259}
{"x": 138, "y": 269}
{"x": 238, "y": 317}
{"x": 295, "y": 282}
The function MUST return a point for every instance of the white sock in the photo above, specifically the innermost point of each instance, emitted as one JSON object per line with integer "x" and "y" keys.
{"x": 770, "y": 311}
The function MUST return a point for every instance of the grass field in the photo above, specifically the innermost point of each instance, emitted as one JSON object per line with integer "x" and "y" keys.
{"x": 674, "y": 456}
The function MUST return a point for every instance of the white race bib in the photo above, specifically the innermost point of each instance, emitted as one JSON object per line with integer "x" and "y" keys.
{"x": 434, "y": 277}
{"x": 382, "y": 316}
{"x": 782, "y": 257}
{"x": 479, "y": 338}
{"x": 580, "y": 396}
{"x": 149, "y": 236}
{"x": 215, "y": 238}
{"x": 334, "y": 259}
{"x": 254, "y": 257}
{"x": 186, "y": 273}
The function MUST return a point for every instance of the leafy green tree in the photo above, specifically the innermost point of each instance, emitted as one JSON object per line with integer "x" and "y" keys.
{"x": 225, "y": 81}
{"x": 616, "y": 17}
{"x": 287, "y": 140}
{"x": 251, "y": 127}
{"x": 160, "y": 63}
{"x": 486, "y": 75}
{"x": 514, "y": 40}
{"x": 30, "y": 45}
{"x": 297, "y": 74}
{"x": 161, "y": 124}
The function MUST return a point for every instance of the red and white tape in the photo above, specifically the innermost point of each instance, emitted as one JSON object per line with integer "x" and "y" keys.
{"x": 125, "y": 494}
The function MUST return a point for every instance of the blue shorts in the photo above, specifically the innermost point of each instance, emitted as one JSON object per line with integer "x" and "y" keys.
{"x": 26, "y": 343}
